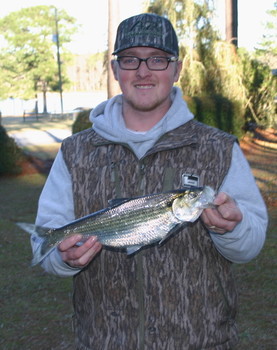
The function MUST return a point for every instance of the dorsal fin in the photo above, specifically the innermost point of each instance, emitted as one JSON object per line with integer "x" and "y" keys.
{"x": 117, "y": 201}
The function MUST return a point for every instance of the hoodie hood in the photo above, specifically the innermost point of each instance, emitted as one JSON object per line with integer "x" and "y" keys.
{"x": 108, "y": 122}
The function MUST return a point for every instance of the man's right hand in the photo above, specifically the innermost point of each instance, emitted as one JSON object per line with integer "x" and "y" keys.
{"x": 79, "y": 256}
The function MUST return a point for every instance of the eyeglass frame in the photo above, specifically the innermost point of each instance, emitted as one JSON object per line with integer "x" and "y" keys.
{"x": 169, "y": 60}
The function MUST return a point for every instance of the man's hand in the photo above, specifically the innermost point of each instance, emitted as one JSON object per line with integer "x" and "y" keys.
{"x": 79, "y": 256}
{"x": 224, "y": 217}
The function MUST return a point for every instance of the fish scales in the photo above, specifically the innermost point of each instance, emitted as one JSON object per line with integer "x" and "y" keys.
{"x": 126, "y": 224}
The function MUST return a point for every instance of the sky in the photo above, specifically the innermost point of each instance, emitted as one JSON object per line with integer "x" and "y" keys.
{"x": 92, "y": 16}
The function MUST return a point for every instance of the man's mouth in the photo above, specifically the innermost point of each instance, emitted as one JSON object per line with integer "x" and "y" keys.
{"x": 144, "y": 86}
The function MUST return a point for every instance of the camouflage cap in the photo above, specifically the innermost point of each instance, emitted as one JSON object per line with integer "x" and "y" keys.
{"x": 149, "y": 30}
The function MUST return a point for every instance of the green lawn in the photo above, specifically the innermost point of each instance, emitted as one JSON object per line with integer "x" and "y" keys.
{"x": 35, "y": 308}
{"x": 257, "y": 284}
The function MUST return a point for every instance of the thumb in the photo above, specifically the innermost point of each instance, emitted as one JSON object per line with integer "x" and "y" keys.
{"x": 221, "y": 198}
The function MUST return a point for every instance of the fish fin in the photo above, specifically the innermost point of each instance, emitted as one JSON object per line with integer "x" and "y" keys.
{"x": 33, "y": 229}
{"x": 29, "y": 228}
{"x": 133, "y": 249}
{"x": 172, "y": 231}
{"x": 39, "y": 234}
{"x": 117, "y": 201}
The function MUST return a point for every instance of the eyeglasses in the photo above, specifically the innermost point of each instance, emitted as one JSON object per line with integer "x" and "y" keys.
{"x": 152, "y": 63}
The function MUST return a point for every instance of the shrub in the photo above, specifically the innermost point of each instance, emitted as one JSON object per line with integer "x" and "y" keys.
{"x": 82, "y": 121}
{"x": 10, "y": 154}
{"x": 219, "y": 112}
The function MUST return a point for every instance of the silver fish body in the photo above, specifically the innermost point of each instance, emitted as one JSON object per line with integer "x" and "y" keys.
{"x": 130, "y": 224}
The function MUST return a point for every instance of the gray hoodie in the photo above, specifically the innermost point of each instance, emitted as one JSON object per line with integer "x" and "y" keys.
{"x": 108, "y": 122}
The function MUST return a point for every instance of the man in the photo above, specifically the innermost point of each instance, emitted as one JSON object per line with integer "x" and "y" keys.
{"x": 180, "y": 295}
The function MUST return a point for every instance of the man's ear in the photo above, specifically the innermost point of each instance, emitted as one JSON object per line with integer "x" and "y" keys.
{"x": 114, "y": 66}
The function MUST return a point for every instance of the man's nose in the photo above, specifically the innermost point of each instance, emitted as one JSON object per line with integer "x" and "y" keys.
{"x": 143, "y": 70}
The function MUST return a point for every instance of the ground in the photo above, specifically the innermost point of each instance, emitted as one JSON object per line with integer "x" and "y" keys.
{"x": 260, "y": 150}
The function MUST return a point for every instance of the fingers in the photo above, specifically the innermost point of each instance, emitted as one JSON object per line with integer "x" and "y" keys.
{"x": 79, "y": 256}
{"x": 227, "y": 207}
{"x": 70, "y": 242}
{"x": 225, "y": 217}
{"x": 213, "y": 221}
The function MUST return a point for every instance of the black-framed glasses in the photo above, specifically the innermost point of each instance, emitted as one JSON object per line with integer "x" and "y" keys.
{"x": 152, "y": 63}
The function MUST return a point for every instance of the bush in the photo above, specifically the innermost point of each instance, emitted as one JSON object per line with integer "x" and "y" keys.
{"x": 82, "y": 121}
{"x": 261, "y": 85}
{"x": 217, "y": 111}
{"x": 10, "y": 155}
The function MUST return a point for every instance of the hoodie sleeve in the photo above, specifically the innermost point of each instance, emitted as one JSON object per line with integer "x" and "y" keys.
{"x": 247, "y": 239}
{"x": 55, "y": 208}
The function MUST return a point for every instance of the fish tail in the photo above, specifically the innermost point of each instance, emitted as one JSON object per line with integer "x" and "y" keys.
{"x": 29, "y": 228}
{"x": 39, "y": 234}
{"x": 33, "y": 229}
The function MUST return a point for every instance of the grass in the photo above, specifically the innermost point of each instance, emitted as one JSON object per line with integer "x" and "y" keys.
{"x": 36, "y": 310}
{"x": 257, "y": 295}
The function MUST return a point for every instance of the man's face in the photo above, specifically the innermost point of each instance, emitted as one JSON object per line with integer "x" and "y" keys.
{"x": 144, "y": 89}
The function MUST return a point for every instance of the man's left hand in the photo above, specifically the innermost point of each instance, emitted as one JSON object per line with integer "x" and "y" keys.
{"x": 224, "y": 217}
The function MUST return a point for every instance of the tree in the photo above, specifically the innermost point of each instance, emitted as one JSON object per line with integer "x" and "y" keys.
{"x": 267, "y": 48}
{"x": 28, "y": 60}
{"x": 113, "y": 17}
{"x": 259, "y": 78}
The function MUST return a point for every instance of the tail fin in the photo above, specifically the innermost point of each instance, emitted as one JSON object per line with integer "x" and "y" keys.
{"x": 33, "y": 229}
{"x": 39, "y": 234}
{"x": 29, "y": 228}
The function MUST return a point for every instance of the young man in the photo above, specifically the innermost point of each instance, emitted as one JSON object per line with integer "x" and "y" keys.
{"x": 180, "y": 295}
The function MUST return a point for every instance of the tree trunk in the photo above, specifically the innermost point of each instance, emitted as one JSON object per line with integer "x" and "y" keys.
{"x": 231, "y": 14}
{"x": 44, "y": 90}
{"x": 113, "y": 19}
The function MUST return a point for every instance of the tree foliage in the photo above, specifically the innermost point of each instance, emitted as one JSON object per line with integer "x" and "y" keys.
{"x": 268, "y": 43}
{"x": 261, "y": 87}
{"x": 29, "y": 58}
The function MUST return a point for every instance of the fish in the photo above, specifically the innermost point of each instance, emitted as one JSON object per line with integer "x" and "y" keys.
{"x": 129, "y": 223}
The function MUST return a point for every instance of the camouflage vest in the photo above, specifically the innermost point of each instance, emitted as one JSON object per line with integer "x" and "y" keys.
{"x": 178, "y": 296}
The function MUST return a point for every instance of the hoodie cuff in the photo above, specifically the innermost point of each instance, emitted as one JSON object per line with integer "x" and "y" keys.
{"x": 54, "y": 264}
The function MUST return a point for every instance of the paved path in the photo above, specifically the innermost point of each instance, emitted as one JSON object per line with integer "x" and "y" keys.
{"x": 39, "y": 137}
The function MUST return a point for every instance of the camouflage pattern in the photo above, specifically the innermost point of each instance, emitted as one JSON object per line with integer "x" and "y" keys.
{"x": 180, "y": 295}
{"x": 149, "y": 30}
